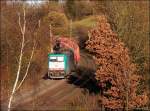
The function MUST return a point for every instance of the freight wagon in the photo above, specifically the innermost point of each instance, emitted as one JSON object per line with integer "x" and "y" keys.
{"x": 64, "y": 59}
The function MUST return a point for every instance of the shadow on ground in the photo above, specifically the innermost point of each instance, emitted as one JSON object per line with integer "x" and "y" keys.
{"x": 45, "y": 77}
{"x": 85, "y": 78}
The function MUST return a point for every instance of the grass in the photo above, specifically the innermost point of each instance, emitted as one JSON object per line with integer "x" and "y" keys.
{"x": 86, "y": 22}
{"x": 85, "y": 102}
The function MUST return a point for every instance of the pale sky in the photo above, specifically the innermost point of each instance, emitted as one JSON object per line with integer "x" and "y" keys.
{"x": 35, "y": 1}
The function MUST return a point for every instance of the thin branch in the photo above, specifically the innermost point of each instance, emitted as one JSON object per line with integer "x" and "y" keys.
{"x": 39, "y": 23}
{"x": 27, "y": 70}
{"x": 26, "y": 42}
{"x": 24, "y": 26}
{"x": 17, "y": 60}
{"x": 89, "y": 35}
{"x": 20, "y": 62}
{"x": 19, "y": 21}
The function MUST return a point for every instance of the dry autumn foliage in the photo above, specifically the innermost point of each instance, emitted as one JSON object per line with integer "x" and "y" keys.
{"x": 116, "y": 74}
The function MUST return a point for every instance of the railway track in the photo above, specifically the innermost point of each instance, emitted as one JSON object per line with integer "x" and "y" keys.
{"x": 51, "y": 94}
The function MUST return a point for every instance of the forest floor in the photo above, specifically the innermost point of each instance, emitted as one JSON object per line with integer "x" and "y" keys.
{"x": 46, "y": 94}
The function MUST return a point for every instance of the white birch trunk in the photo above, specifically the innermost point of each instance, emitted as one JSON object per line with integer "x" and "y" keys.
{"x": 27, "y": 68}
{"x": 20, "y": 60}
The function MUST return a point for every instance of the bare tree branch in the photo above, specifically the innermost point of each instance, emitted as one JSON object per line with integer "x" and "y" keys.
{"x": 24, "y": 19}
{"x": 27, "y": 70}
{"x": 19, "y": 21}
{"x": 20, "y": 60}
{"x": 17, "y": 59}
{"x": 27, "y": 41}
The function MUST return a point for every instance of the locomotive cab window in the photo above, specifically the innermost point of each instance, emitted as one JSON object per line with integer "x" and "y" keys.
{"x": 60, "y": 59}
{"x": 56, "y": 59}
{"x": 53, "y": 59}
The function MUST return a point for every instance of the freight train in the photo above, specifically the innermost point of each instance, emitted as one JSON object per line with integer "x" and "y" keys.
{"x": 64, "y": 59}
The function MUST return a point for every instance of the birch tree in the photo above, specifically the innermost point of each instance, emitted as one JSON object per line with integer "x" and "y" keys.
{"x": 23, "y": 43}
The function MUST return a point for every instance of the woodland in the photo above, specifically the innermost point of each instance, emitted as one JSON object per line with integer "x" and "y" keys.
{"x": 115, "y": 33}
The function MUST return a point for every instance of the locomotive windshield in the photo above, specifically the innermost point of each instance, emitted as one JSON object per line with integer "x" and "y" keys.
{"x": 57, "y": 62}
{"x": 56, "y": 59}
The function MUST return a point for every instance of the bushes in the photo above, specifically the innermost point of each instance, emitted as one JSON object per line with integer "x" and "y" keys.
{"x": 81, "y": 33}
{"x": 78, "y": 9}
{"x": 81, "y": 27}
{"x": 58, "y": 21}
{"x": 85, "y": 102}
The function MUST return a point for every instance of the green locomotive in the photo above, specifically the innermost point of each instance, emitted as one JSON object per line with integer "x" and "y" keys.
{"x": 62, "y": 62}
